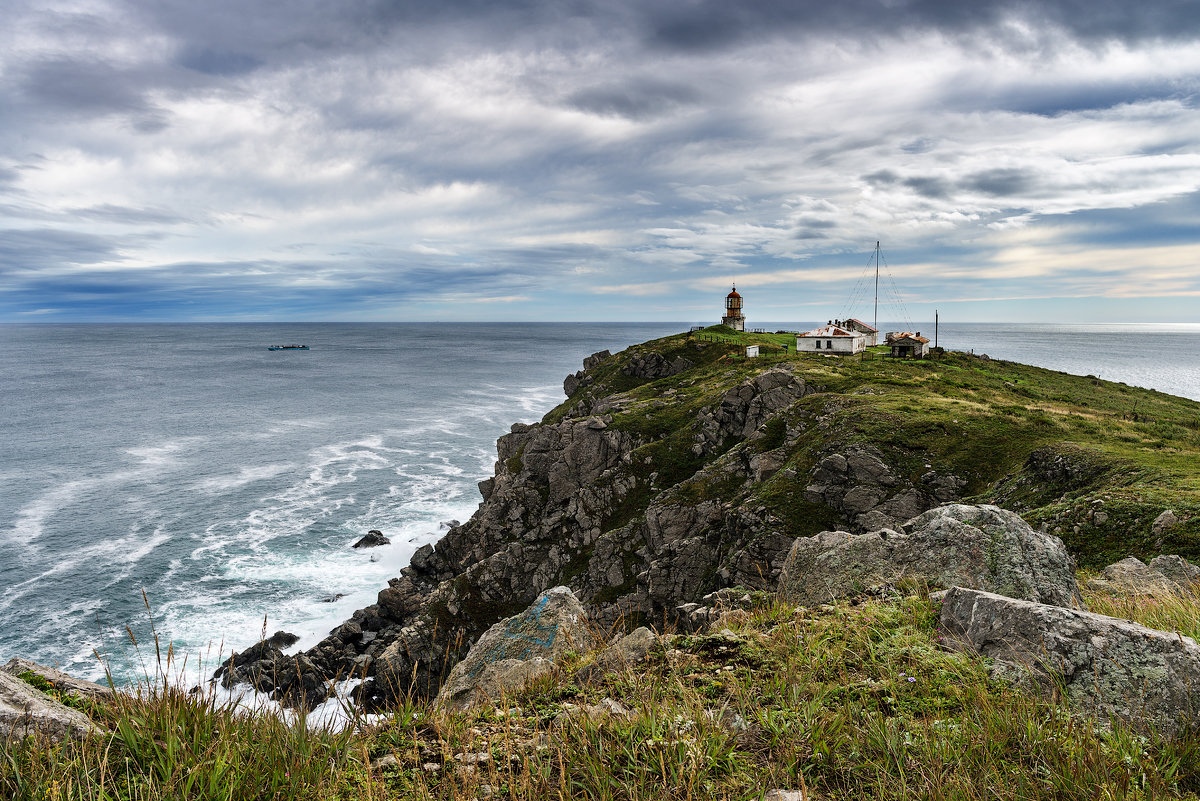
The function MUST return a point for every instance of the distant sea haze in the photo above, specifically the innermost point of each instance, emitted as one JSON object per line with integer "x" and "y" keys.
{"x": 229, "y": 481}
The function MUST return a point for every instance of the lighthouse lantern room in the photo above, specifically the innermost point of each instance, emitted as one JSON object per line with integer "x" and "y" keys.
{"x": 733, "y": 311}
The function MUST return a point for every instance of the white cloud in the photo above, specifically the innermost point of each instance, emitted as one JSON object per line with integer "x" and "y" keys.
{"x": 571, "y": 167}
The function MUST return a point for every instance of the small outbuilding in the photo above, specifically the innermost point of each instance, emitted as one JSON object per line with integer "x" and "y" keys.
{"x": 832, "y": 339}
{"x": 752, "y": 351}
{"x": 907, "y": 345}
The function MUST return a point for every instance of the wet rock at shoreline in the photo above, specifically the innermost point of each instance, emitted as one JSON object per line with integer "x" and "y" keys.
{"x": 373, "y": 539}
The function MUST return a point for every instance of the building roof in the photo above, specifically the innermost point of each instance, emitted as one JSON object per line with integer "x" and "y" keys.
{"x": 858, "y": 322}
{"x": 909, "y": 335}
{"x": 828, "y": 331}
{"x": 733, "y": 294}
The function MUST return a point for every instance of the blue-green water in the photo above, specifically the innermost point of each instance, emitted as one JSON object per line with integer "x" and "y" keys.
{"x": 228, "y": 482}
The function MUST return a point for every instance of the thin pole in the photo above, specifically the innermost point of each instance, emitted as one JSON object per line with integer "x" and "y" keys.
{"x": 877, "y": 287}
{"x": 935, "y": 327}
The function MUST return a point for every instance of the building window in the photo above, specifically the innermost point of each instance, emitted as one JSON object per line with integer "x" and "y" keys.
{"x": 818, "y": 344}
{"x": 829, "y": 344}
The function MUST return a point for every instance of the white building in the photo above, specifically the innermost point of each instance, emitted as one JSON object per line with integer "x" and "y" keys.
{"x": 830, "y": 339}
{"x": 752, "y": 351}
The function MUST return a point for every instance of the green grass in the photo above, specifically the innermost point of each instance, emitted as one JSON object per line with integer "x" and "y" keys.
{"x": 1175, "y": 613}
{"x": 847, "y": 701}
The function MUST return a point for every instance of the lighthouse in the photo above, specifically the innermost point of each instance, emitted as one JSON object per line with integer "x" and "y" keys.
{"x": 733, "y": 311}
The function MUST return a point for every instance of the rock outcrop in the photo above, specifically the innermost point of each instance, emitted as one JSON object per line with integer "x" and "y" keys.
{"x": 1164, "y": 576}
{"x": 572, "y": 383}
{"x": 859, "y": 483}
{"x": 653, "y": 365}
{"x": 678, "y": 470}
{"x": 983, "y": 547}
{"x": 79, "y": 688}
{"x": 1100, "y": 665}
{"x": 25, "y": 710}
{"x": 518, "y": 649}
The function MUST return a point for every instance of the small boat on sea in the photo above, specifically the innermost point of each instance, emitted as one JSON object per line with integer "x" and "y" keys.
{"x": 287, "y": 347}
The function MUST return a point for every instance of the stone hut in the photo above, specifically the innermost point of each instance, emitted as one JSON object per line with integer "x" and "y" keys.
{"x": 907, "y": 345}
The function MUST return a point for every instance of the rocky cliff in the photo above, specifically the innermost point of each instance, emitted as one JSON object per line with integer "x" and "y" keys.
{"x": 676, "y": 468}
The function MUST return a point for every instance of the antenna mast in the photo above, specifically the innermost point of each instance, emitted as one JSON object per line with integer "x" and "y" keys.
{"x": 876, "y": 323}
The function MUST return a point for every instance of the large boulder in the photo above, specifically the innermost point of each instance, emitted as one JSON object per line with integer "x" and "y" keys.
{"x": 1163, "y": 577}
{"x": 653, "y": 365}
{"x": 1101, "y": 665}
{"x": 983, "y": 547}
{"x": 25, "y": 710}
{"x": 518, "y": 649}
{"x": 1178, "y": 569}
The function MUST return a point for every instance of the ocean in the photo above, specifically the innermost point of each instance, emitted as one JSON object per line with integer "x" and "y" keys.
{"x": 184, "y": 481}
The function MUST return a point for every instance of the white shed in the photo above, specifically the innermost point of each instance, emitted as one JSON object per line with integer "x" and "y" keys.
{"x": 752, "y": 351}
{"x": 831, "y": 339}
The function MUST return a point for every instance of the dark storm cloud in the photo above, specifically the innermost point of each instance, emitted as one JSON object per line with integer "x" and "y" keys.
{"x": 929, "y": 186}
{"x": 881, "y": 178}
{"x": 222, "y": 39}
{"x": 640, "y": 98}
{"x": 39, "y": 248}
{"x": 83, "y": 87}
{"x": 710, "y": 24}
{"x": 1083, "y": 93}
{"x": 218, "y": 62}
{"x": 998, "y": 182}
{"x": 1001, "y": 182}
{"x": 88, "y": 85}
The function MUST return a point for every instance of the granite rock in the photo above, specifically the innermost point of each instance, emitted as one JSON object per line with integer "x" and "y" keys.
{"x": 1101, "y": 666}
{"x": 25, "y": 710}
{"x": 983, "y": 547}
{"x": 518, "y": 649}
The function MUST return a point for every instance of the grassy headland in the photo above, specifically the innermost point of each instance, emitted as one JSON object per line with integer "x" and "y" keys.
{"x": 1096, "y": 446}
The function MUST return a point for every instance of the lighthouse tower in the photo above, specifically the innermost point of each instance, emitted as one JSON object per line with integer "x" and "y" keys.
{"x": 733, "y": 311}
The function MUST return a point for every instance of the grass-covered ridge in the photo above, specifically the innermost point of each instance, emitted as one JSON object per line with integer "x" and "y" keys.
{"x": 846, "y": 701}
{"x": 1095, "y": 445}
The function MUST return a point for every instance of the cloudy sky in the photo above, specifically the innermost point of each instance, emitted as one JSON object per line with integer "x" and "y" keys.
{"x": 598, "y": 159}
